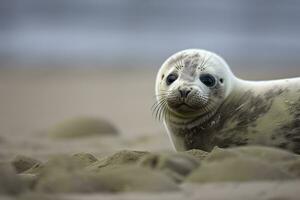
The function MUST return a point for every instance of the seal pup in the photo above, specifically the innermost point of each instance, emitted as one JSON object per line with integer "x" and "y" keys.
{"x": 203, "y": 105}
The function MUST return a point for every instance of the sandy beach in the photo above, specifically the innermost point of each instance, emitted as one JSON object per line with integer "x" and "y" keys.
{"x": 33, "y": 103}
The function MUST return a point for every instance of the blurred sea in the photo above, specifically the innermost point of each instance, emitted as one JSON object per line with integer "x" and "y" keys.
{"x": 134, "y": 33}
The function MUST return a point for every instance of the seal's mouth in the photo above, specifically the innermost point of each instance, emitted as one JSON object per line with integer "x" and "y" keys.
{"x": 184, "y": 105}
{"x": 171, "y": 103}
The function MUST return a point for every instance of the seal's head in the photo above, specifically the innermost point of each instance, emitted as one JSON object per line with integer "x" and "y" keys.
{"x": 192, "y": 83}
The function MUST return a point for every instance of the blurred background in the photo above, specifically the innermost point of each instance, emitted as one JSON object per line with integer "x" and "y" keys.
{"x": 65, "y": 58}
{"x": 139, "y": 34}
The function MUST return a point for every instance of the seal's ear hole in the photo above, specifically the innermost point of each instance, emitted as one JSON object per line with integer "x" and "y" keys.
{"x": 221, "y": 80}
{"x": 162, "y": 77}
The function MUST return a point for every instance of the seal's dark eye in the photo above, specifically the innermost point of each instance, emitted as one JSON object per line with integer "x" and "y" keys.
{"x": 171, "y": 78}
{"x": 208, "y": 80}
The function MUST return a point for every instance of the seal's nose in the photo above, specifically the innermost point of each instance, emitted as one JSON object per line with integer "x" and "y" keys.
{"x": 184, "y": 91}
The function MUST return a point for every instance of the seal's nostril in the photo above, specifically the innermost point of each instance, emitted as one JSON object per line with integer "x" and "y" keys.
{"x": 184, "y": 92}
{"x": 181, "y": 92}
{"x": 187, "y": 92}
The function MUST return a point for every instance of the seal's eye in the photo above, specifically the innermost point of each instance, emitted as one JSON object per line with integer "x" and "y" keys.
{"x": 208, "y": 80}
{"x": 171, "y": 78}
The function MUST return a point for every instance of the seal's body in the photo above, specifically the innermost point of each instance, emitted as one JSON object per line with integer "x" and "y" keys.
{"x": 204, "y": 105}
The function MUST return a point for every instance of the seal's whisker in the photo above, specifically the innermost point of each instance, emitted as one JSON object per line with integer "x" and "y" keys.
{"x": 158, "y": 107}
{"x": 181, "y": 62}
{"x": 157, "y": 110}
{"x": 159, "y": 95}
{"x": 204, "y": 61}
{"x": 177, "y": 66}
{"x": 157, "y": 103}
{"x": 166, "y": 113}
{"x": 160, "y": 111}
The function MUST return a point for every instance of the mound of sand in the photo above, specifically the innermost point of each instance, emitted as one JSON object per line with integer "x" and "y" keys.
{"x": 144, "y": 171}
{"x": 10, "y": 183}
{"x": 83, "y": 127}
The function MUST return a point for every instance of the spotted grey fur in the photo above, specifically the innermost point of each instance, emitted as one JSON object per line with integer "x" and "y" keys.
{"x": 261, "y": 113}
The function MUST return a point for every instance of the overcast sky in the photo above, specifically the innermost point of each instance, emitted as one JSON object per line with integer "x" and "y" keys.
{"x": 136, "y": 31}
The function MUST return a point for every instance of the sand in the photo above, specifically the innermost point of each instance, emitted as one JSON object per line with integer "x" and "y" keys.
{"x": 89, "y": 134}
{"x": 34, "y": 101}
